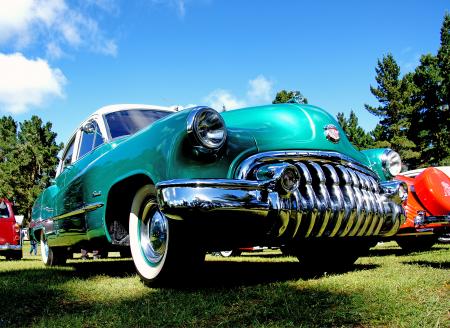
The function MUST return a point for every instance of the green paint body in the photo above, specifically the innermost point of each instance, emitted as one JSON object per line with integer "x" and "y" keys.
{"x": 163, "y": 151}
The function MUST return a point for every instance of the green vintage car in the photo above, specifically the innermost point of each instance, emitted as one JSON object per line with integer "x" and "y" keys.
{"x": 170, "y": 185}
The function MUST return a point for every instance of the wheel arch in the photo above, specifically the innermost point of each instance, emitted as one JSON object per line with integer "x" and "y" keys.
{"x": 118, "y": 206}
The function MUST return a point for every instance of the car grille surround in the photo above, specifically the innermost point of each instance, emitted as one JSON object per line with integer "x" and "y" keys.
{"x": 337, "y": 197}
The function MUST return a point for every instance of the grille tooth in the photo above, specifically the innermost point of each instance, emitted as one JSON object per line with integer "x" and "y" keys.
{"x": 323, "y": 197}
{"x": 360, "y": 209}
{"x": 337, "y": 199}
{"x": 311, "y": 199}
{"x": 349, "y": 200}
{"x": 298, "y": 215}
{"x": 375, "y": 208}
{"x": 367, "y": 203}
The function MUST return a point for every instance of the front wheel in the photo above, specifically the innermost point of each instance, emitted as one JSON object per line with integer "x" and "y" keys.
{"x": 159, "y": 246}
{"x": 52, "y": 256}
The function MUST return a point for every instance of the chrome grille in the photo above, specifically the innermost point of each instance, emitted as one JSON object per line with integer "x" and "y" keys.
{"x": 336, "y": 198}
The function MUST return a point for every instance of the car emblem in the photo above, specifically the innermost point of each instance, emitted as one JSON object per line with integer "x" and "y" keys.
{"x": 332, "y": 133}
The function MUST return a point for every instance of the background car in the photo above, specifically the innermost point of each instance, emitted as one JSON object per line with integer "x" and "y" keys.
{"x": 171, "y": 185}
{"x": 427, "y": 208}
{"x": 10, "y": 239}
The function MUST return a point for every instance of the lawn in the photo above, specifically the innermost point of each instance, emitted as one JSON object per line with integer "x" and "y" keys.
{"x": 385, "y": 289}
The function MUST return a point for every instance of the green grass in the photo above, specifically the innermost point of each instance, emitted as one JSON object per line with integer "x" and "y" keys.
{"x": 385, "y": 289}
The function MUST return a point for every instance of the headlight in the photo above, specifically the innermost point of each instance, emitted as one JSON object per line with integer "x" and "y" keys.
{"x": 206, "y": 128}
{"x": 392, "y": 164}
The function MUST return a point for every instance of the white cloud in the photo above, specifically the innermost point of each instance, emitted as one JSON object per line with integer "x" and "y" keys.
{"x": 259, "y": 92}
{"x": 52, "y": 22}
{"x": 27, "y": 82}
{"x": 220, "y": 98}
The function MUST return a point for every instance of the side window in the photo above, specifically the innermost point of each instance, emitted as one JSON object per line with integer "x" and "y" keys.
{"x": 67, "y": 159}
{"x": 90, "y": 139}
{"x": 4, "y": 213}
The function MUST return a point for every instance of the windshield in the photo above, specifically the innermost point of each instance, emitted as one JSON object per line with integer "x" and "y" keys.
{"x": 128, "y": 122}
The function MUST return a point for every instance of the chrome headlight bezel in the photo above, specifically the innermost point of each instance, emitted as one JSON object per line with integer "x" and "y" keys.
{"x": 391, "y": 163}
{"x": 197, "y": 124}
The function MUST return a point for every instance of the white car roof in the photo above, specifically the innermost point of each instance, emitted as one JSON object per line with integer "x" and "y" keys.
{"x": 416, "y": 172}
{"x": 118, "y": 107}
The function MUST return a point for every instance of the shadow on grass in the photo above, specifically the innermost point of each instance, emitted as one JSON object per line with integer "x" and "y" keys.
{"x": 223, "y": 293}
{"x": 397, "y": 251}
{"x": 435, "y": 265}
{"x": 216, "y": 274}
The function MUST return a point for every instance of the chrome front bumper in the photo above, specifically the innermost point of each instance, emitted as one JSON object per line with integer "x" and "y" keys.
{"x": 7, "y": 247}
{"x": 258, "y": 210}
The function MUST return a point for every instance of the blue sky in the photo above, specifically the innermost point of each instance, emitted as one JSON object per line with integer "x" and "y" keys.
{"x": 63, "y": 59}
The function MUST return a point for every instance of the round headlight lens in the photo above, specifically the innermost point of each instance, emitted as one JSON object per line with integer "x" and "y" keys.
{"x": 208, "y": 127}
{"x": 392, "y": 163}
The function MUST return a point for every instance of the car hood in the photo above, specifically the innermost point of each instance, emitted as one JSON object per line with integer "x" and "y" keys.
{"x": 291, "y": 127}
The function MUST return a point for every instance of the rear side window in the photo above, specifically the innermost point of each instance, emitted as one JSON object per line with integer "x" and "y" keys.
{"x": 4, "y": 212}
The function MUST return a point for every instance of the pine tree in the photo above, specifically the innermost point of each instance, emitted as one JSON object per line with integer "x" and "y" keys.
{"x": 396, "y": 107}
{"x": 8, "y": 156}
{"x": 355, "y": 133}
{"x": 432, "y": 98}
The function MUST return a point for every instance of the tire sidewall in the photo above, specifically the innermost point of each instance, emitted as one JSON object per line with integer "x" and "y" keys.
{"x": 147, "y": 271}
{"x": 45, "y": 250}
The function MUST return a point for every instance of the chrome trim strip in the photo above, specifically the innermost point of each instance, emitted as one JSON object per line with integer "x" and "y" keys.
{"x": 82, "y": 210}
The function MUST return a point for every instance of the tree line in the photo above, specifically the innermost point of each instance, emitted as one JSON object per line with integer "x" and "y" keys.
{"x": 28, "y": 160}
{"x": 413, "y": 108}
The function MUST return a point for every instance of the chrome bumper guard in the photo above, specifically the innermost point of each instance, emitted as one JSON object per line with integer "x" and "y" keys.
{"x": 347, "y": 212}
{"x": 422, "y": 219}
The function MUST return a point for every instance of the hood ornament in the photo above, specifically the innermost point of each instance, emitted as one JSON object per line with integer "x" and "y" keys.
{"x": 332, "y": 133}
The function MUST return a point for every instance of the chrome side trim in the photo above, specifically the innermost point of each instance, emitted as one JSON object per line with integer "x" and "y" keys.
{"x": 82, "y": 210}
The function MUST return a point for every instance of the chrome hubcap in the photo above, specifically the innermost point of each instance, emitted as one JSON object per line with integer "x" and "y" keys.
{"x": 153, "y": 234}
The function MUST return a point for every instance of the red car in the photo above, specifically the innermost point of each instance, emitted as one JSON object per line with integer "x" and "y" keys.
{"x": 10, "y": 241}
{"x": 427, "y": 208}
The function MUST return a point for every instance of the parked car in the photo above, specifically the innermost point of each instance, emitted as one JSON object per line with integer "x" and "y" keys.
{"x": 10, "y": 239}
{"x": 172, "y": 185}
{"x": 427, "y": 208}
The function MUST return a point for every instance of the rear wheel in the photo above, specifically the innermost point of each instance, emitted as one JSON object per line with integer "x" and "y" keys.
{"x": 14, "y": 255}
{"x": 17, "y": 255}
{"x": 416, "y": 243}
{"x": 160, "y": 247}
{"x": 52, "y": 255}
{"x": 233, "y": 252}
